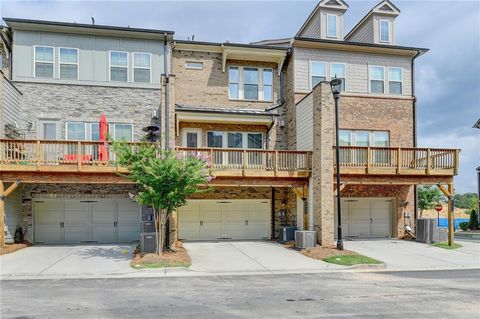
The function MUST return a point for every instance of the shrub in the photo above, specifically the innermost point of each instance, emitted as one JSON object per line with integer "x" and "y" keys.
{"x": 464, "y": 226}
{"x": 473, "y": 223}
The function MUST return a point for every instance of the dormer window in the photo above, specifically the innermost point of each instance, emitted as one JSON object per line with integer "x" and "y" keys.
{"x": 331, "y": 26}
{"x": 384, "y": 31}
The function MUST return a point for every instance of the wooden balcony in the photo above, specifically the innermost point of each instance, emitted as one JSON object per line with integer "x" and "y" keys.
{"x": 356, "y": 160}
{"x": 69, "y": 159}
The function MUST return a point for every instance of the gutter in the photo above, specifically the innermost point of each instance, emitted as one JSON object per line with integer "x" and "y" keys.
{"x": 415, "y": 188}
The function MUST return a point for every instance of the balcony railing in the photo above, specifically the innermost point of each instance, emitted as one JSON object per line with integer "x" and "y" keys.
{"x": 388, "y": 160}
{"x": 80, "y": 156}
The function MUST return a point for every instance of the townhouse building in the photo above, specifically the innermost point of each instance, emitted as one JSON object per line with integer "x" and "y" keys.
{"x": 263, "y": 113}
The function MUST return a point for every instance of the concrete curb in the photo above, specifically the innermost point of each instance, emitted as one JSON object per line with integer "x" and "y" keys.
{"x": 178, "y": 273}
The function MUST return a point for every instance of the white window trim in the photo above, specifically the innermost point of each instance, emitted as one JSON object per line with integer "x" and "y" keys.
{"x": 380, "y": 31}
{"x": 143, "y": 68}
{"x": 331, "y": 75}
{"x": 371, "y": 136}
{"x": 66, "y": 130}
{"x": 110, "y": 66}
{"x": 192, "y": 130}
{"x": 370, "y": 79}
{"x": 311, "y": 74}
{"x": 260, "y": 84}
{"x": 336, "y": 26}
{"x": 401, "y": 79}
{"x": 244, "y": 139}
{"x": 69, "y": 63}
{"x": 40, "y": 122}
{"x": 35, "y": 59}
{"x": 193, "y": 67}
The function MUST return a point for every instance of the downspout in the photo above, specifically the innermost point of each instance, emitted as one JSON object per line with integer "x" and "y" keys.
{"x": 272, "y": 236}
{"x": 167, "y": 94}
{"x": 415, "y": 200}
{"x": 269, "y": 128}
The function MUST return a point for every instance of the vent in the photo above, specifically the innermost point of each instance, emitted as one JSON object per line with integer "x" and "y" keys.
{"x": 386, "y": 8}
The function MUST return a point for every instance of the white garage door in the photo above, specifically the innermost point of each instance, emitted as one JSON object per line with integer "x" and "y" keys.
{"x": 224, "y": 219}
{"x": 366, "y": 217}
{"x": 71, "y": 221}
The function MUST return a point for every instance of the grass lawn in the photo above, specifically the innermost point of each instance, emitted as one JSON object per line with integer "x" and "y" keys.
{"x": 350, "y": 260}
{"x": 177, "y": 258}
{"x": 445, "y": 245}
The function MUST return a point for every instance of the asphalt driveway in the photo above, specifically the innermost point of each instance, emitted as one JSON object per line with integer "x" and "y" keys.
{"x": 409, "y": 255}
{"x": 250, "y": 256}
{"x": 67, "y": 260}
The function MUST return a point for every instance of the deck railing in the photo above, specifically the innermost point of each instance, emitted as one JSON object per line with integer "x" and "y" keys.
{"x": 85, "y": 156}
{"x": 43, "y": 155}
{"x": 388, "y": 160}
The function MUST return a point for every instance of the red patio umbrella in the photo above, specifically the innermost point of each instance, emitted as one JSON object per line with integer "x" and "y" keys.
{"x": 103, "y": 128}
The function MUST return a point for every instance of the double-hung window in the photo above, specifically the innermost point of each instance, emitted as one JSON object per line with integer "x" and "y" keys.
{"x": 395, "y": 81}
{"x": 250, "y": 83}
{"x": 377, "y": 79}
{"x": 338, "y": 70}
{"x": 44, "y": 60}
{"x": 123, "y": 132}
{"x": 267, "y": 84}
{"x": 233, "y": 83}
{"x": 68, "y": 63}
{"x": 118, "y": 66}
{"x": 318, "y": 73}
{"x": 141, "y": 67}
{"x": 331, "y": 26}
{"x": 76, "y": 131}
{"x": 384, "y": 31}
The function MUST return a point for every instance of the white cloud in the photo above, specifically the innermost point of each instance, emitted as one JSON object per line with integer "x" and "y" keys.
{"x": 466, "y": 139}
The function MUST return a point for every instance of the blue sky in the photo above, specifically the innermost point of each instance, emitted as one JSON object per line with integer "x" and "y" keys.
{"x": 447, "y": 78}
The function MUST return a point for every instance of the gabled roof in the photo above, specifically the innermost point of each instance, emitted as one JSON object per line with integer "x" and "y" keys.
{"x": 339, "y": 5}
{"x": 384, "y": 7}
{"x": 477, "y": 125}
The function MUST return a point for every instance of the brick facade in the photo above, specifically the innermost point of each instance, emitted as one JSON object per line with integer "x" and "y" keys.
{"x": 209, "y": 86}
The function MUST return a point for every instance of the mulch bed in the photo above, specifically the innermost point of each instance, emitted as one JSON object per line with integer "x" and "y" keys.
{"x": 10, "y": 248}
{"x": 177, "y": 258}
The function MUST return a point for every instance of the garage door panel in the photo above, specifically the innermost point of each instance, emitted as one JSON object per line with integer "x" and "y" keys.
{"x": 128, "y": 218}
{"x": 236, "y": 216}
{"x": 189, "y": 221}
{"x": 258, "y": 219}
{"x": 381, "y": 218}
{"x": 367, "y": 217}
{"x": 103, "y": 221}
{"x": 47, "y": 218}
{"x": 77, "y": 221}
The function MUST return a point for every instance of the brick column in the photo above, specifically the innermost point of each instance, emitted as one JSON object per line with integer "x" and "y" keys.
{"x": 322, "y": 164}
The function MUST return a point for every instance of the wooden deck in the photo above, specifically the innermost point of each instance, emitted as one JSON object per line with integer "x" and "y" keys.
{"x": 77, "y": 161}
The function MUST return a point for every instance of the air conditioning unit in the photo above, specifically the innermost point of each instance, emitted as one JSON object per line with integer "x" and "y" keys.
{"x": 305, "y": 239}
{"x": 287, "y": 233}
{"x": 148, "y": 242}
{"x": 427, "y": 231}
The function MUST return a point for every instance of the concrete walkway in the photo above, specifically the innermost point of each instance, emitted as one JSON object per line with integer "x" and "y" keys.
{"x": 250, "y": 256}
{"x": 408, "y": 255}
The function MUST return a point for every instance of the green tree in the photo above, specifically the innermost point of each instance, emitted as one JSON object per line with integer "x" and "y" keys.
{"x": 428, "y": 197}
{"x": 165, "y": 178}
{"x": 467, "y": 200}
{"x": 473, "y": 222}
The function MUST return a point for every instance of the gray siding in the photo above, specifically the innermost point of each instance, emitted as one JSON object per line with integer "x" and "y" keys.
{"x": 357, "y": 66}
{"x": 10, "y": 104}
{"x": 304, "y": 118}
{"x": 94, "y": 57}
{"x": 364, "y": 33}
{"x": 13, "y": 214}
{"x": 317, "y": 26}
{"x": 312, "y": 29}
{"x": 62, "y": 103}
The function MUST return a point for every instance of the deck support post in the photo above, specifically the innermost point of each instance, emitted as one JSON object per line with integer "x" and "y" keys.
{"x": 448, "y": 192}
{"x": 3, "y": 195}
